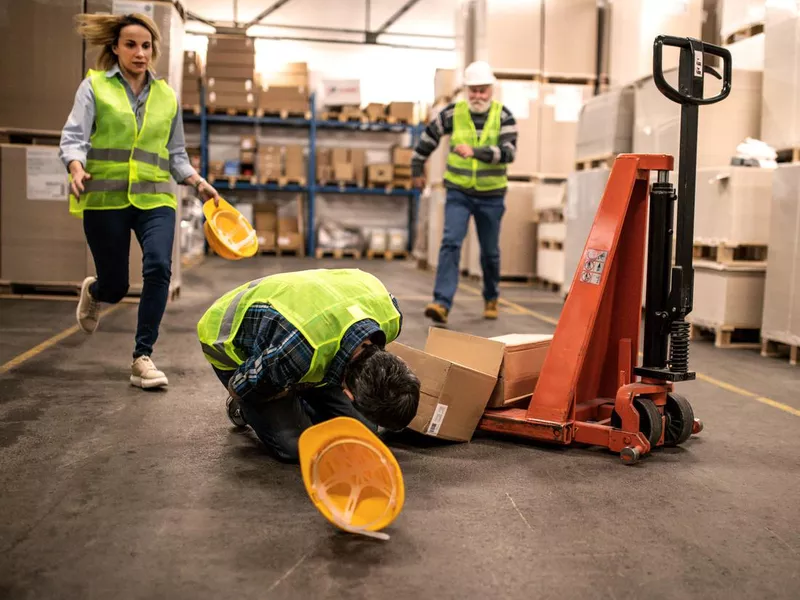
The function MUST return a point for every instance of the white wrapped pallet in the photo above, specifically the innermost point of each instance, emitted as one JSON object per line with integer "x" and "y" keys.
{"x": 737, "y": 15}
{"x": 549, "y": 195}
{"x": 781, "y": 318}
{"x": 722, "y": 126}
{"x": 605, "y": 125}
{"x": 635, "y": 25}
{"x": 550, "y": 265}
{"x": 780, "y": 124}
{"x": 728, "y": 296}
{"x": 732, "y": 206}
{"x": 584, "y": 192}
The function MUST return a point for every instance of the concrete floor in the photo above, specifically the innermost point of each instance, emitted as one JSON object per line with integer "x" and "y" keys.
{"x": 111, "y": 492}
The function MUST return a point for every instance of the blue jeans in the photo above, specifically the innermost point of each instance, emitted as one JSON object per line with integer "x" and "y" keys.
{"x": 108, "y": 233}
{"x": 279, "y": 422}
{"x": 488, "y": 212}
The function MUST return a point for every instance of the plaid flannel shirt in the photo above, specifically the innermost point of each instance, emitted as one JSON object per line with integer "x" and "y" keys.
{"x": 279, "y": 355}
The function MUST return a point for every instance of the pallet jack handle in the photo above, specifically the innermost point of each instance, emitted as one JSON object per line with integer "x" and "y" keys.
{"x": 670, "y": 289}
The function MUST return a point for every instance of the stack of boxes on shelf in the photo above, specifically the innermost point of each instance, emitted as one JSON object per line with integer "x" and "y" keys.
{"x": 285, "y": 92}
{"x": 341, "y": 99}
{"x": 401, "y": 167}
{"x": 341, "y": 166}
{"x": 230, "y": 75}
{"x": 190, "y": 87}
{"x": 41, "y": 244}
{"x": 278, "y": 226}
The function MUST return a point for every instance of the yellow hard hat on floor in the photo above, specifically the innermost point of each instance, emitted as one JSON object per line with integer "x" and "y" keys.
{"x": 351, "y": 476}
{"x": 228, "y": 232}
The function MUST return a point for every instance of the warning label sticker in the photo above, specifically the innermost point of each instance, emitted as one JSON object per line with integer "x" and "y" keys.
{"x": 593, "y": 265}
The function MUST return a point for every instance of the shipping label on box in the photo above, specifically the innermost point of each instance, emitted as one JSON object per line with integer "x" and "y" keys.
{"x": 337, "y": 92}
{"x": 523, "y": 358}
{"x": 457, "y": 373}
{"x": 46, "y": 177}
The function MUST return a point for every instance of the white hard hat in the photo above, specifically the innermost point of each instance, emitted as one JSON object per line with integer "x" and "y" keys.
{"x": 478, "y": 73}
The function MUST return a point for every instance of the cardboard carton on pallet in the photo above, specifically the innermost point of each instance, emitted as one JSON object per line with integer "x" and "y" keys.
{"x": 379, "y": 175}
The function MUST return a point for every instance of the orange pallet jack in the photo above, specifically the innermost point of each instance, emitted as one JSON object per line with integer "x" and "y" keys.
{"x": 591, "y": 390}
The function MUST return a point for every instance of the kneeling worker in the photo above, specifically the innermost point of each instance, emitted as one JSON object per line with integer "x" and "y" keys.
{"x": 296, "y": 349}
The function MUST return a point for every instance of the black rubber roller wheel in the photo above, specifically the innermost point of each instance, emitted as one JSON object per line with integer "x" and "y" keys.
{"x": 649, "y": 420}
{"x": 679, "y": 420}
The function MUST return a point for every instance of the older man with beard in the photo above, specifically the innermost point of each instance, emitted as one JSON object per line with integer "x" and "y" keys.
{"x": 483, "y": 141}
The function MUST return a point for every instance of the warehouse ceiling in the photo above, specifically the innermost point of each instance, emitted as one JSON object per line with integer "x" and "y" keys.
{"x": 424, "y": 23}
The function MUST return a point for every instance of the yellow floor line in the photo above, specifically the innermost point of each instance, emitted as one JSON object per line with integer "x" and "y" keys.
{"x": 713, "y": 381}
{"x": 38, "y": 349}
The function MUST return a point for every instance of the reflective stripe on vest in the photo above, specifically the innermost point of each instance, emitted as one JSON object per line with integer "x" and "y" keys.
{"x": 128, "y": 165}
{"x": 470, "y": 172}
{"x": 322, "y": 304}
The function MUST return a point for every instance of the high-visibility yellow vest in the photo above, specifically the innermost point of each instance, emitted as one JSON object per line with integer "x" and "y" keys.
{"x": 471, "y": 173}
{"x": 321, "y": 303}
{"x": 128, "y": 165}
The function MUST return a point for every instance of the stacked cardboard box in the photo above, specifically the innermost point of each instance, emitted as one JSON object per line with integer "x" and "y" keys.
{"x": 401, "y": 112}
{"x": 230, "y": 73}
{"x": 380, "y": 175}
{"x": 780, "y": 122}
{"x": 294, "y": 169}
{"x": 248, "y": 147}
{"x": 324, "y": 172}
{"x": 781, "y": 316}
{"x": 265, "y": 223}
{"x": 285, "y": 91}
{"x": 341, "y": 165}
{"x": 401, "y": 165}
{"x": 375, "y": 112}
{"x": 560, "y": 108}
{"x": 605, "y": 125}
{"x": 269, "y": 163}
{"x": 190, "y": 88}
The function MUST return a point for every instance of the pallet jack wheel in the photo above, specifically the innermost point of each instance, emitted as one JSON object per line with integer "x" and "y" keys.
{"x": 680, "y": 420}
{"x": 650, "y": 423}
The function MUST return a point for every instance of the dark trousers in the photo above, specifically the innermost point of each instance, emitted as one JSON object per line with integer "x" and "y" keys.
{"x": 488, "y": 212}
{"x": 279, "y": 422}
{"x": 108, "y": 233}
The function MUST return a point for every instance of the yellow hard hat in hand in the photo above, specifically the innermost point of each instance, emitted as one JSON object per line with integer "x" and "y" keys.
{"x": 228, "y": 233}
{"x": 351, "y": 476}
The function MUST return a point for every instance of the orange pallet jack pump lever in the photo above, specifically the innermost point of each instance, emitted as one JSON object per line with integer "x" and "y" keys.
{"x": 591, "y": 390}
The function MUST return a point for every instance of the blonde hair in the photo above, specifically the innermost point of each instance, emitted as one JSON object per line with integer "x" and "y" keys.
{"x": 103, "y": 31}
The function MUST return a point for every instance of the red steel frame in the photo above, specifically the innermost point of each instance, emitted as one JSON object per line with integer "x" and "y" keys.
{"x": 588, "y": 371}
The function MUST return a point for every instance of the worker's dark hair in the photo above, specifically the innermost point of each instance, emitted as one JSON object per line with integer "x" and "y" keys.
{"x": 384, "y": 388}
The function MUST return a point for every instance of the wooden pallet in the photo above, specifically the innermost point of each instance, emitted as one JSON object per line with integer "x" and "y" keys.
{"x": 398, "y": 121}
{"x": 551, "y": 244}
{"x": 404, "y": 184}
{"x": 545, "y": 284}
{"x": 341, "y": 184}
{"x": 776, "y": 348}
{"x": 232, "y": 112}
{"x": 387, "y": 254}
{"x": 550, "y": 215}
{"x": 232, "y": 180}
{"x": 788, "y": 155}
{"x": 387, "y": 187}
{"x": 29, "y": 137}
{"x": 278, "y": 252}
{"x": 284, "y": 114}
{"x": 338, "y": 253}
{"x": 728, "y": 255}
{"x": 726, "y": 336}
{"x": 282, "y": 181}
{"x": 744, "y": 33}
{"x": 347, "y": 116}
{"x": 193, "y": 109}
{"x": 65, "y": 290}
{"x": 568, "y": 78}
{"x": 595, "y": 162}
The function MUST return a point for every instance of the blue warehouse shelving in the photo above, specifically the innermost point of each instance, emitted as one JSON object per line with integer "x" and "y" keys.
{"x": 312, "y": 125}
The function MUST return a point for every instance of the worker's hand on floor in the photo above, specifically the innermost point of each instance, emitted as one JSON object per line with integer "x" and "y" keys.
{"x": 418, "y": 182}
{"x": 464, "y": 151}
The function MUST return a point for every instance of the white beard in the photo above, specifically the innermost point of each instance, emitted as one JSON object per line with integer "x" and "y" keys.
{"x": 479, "y": 106}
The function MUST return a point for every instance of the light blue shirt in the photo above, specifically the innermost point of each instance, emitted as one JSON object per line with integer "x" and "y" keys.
{"x": 80, "y": 125}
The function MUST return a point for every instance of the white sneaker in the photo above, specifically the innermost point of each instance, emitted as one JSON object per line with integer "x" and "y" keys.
{"x": 145, "y": 375}
{"x": 88, "y": 311}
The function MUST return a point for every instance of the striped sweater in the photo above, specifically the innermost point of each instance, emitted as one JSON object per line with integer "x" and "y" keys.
{"x": 442, "y": 125}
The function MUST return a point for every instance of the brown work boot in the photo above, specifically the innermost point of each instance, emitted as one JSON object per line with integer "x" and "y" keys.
{"x": 490, "y": 309}
{"x": 436, "y": 312}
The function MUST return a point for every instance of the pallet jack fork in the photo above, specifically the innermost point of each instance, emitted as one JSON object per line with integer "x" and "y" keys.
{"x": 591, "y": 390}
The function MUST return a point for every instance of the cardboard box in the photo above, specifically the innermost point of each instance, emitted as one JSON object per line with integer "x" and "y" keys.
{"x": 343, "y": 172}
{"x": 513, "y": 39}
{"x": 379, "y": 173}
{"x": 560, "y": 108}
{"x": 192, "y": 71}
{"x": 358, "y": 157}
{"x": 40, "y": 242}
{"x": 230, "y": 44}
{"x": 265, "y": 217}
{"x": 781, "y": 316}
{"x": 337, "y": 92}
{"x": 285, "y": 80}
{"x": 402, "y": 156}
{"x": 444, "y": 84}
{"x": 226, "y": 86}
{"x": 289, "y": 235}
{"x": 738, "y": 14}
{"x": 605, "y": 125}
{"x": 238, "y": 101}
{"x": 731, "y": 295}
{"x": 231, "y": 59}
{"x": 570, "y": 38}
{"x": 377, "y": 241}
{"x": 294, "y": 167}
{"x": 458, "y": 373}
{"x": 780, "y": 119}
{"x": 340, "y": 155}
{"x": 731, "y": 206}
{"x": 522, "y": 99}
{"x": 402, "y": 111}
{"x": 277, "y": 99}
{"x": 230, "y": 72}
{"x": 523, "y": 358}
{"x": 397, "y": 240}
{"x": 375, "y": 111}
